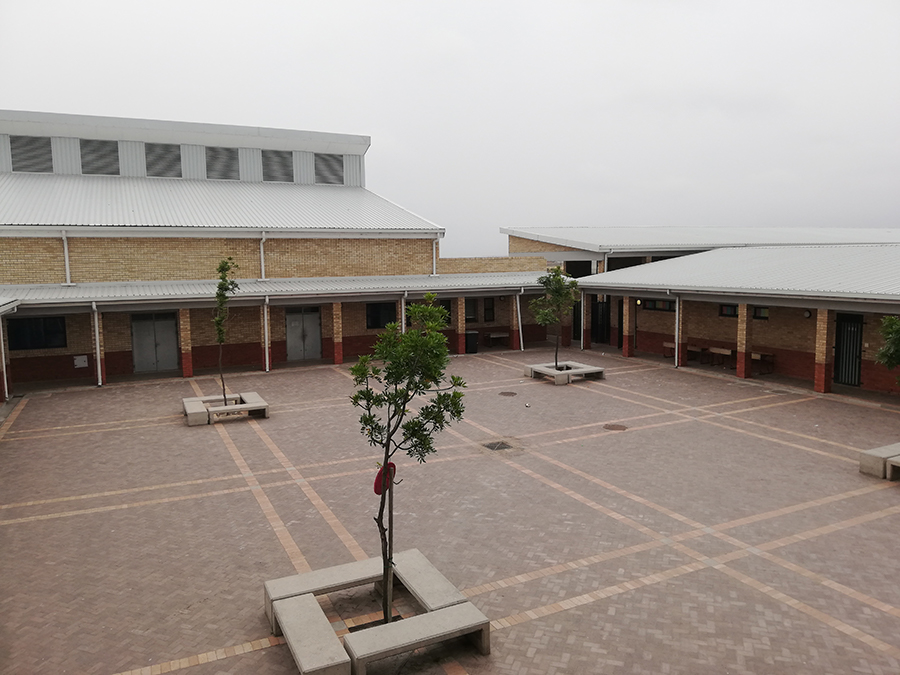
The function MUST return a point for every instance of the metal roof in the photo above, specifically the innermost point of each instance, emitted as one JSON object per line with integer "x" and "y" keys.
{"x": 637, "y": 239}
{"x": 8, "y": 304}
{"x": 107, "y": 201}
{"x": 861, "y": 272}
{"x": 349, "y": 287}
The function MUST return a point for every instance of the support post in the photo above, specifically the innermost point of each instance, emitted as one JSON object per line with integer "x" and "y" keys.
{"x": 514, "y": 323}
{"x": 99, "y": 353}
{"x": 184, "y": 343}
{"x": 681, "y": 352}
{"x": 744, "y": 342}
{"x": 265, "y": 333}
{"x": 458, "y": 319}
{"x": 4, "y": 391}
{"x": 629, "y": 312}
{"x": 337, "y": 332}
{"x": 586, "y": 320}
{"x": 824, "y": 350}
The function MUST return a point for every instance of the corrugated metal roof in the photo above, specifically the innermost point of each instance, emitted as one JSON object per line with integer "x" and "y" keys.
{"x": 636, "y": 239}
{"x": 354, "y": 287}
{"x": 8, "y": 304}
{"x": 866, "y": 272}
{"x": 73, "y": 201}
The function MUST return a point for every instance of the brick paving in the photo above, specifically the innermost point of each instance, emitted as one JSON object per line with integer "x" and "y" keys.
{"x": 658, "y": 521}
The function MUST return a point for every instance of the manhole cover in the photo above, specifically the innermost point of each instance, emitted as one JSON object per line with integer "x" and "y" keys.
{"x": 615, "y": 427}
{"x": 498, "y": 445}
{"x": 508, "y": 393}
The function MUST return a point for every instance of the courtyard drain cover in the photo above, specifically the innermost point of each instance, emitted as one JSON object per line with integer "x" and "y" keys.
{"x": 508, "y": 393}
{"x": 498, "y": 445}
{"x": 615, "y": 427}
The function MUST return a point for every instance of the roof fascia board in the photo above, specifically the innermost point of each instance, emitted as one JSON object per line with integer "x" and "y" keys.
{"x": 189, "y": 133}
{"x": 207, "y": 231}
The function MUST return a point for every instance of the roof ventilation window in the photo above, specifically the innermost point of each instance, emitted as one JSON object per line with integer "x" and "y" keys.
{"x": 31, "y": 154}
{"x": 278, "y": 166}
{"x": 329, "y": 169}
{"x": 222, "y": 164}
{"x": 163, "y": 160}
{"x": 99, "y": 157}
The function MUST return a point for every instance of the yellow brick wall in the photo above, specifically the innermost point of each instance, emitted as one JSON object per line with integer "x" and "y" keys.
{"x": 786, "y": 328}
{"x": 32, "y": 260}
{"x": 117, "y": 331}
{"x": 872, "y": 340}
{"x": 277, "y": 324}
{"x": 243, "y": 326}
{"x": 497, "y": 264}
{"x": 79, "y": 339}
{"x": 655, "y": 321}
{"x": 158, "y": 259}
{"x": 346, "y": 257}
{"x": 522, "y": 245}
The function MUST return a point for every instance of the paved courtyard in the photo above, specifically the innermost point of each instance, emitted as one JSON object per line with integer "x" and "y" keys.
{"x": 658, "y": 521}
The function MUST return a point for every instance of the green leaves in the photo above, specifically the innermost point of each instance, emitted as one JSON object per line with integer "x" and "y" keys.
{"x": 889, "y": 354}
{"x": 560, "y": 294}
{"x": 410, "y": 366}
{"x": 226, "y": 286}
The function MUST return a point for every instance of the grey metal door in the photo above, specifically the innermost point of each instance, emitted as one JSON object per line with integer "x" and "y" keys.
{"x": 848, "y": 349}
{"x": 304, "y": 333}
{"x": 154, "y": 342}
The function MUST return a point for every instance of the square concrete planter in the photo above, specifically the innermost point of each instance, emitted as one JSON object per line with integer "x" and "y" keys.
{"x": 209, "y": 409}
{"x": 566, "y": 372}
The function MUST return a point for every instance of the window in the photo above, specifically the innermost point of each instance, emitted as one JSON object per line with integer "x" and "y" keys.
{"x": 329, "y": 169}
{"x": 163, "y": 160}
{"x": 760, "y": 312}
{"x": 471, "y": 310}
{"x": 31, "y": 154}
{"x": 488, "y": 310}
{"x": 380, "y": 314}
{"x": 447, "y": 304}
{"x": 45, "y": 332}
{"x": 659, "y": 305}
{"x": 278, "y": 166}
{"x": 728, "y": 310}
{"x": 222, "y": 164}
{"x": 100, "y": 158}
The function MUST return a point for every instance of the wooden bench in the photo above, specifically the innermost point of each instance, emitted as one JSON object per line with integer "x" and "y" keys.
{"x": 319, "y": 582}
{"x": 875, "y": 462}
{"x": 251, "y": 403}
{"x": 380, "y": 642}
{"x": 431, "y": 589}
{"x": 720, "y": 352}
{"x": 489, "y": 338}
{"x": 766, "y": 361}
{"x": 668, "y": 349}
{"x": 313, "y": 643}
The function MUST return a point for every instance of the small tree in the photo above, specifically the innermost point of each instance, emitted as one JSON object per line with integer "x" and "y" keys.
{"x": 226, "y": 286}
{"x": 412, "y": 366}
{"x": 560, "y": 294}
{"x": 889, "y": 354}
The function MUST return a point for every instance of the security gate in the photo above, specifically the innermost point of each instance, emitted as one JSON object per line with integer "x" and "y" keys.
{"x": 154, "y": 342}
{"x": 304, "y": 333}
{"x": 848, "y": 349}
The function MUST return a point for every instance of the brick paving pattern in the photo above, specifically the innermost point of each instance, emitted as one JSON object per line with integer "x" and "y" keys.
{"x": 658, "y": 521}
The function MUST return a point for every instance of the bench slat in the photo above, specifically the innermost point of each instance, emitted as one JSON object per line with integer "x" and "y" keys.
{"x": 380, "y": 642}
{"x": 308, "y": 634}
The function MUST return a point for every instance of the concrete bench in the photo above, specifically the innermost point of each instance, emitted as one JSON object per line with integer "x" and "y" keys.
{"x": 313, "y": 643}
{"x": 195, "y": 411}
{"x": 251, "y": 403}
{"x": 431, "y": 589}
{"x": 892, "y": 468}
{"x": 875, "y": 462}
{"x": 380, "y": 642}
{"x": 319, "y": 582}
{"x": 572, "y": 369}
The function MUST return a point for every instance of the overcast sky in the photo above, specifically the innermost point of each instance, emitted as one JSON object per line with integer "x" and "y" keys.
{"x": 514, "y": 114}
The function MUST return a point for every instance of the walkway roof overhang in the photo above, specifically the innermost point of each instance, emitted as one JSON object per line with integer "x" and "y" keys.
{"x": 44, "y": 204}
{"x": 150, "y": 295}
{"x": 8, "y": 305}
{"x": 851, "y": 278}
{"x": 599, "y": 242}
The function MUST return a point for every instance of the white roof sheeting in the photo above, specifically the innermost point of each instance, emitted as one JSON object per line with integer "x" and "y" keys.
{"x": 354, "y": 287}
{"x": 7, "y": 305}
{"x": 861, "y": 272}
{"x": 110, "y": 201}
{"x": 637, "y": 239}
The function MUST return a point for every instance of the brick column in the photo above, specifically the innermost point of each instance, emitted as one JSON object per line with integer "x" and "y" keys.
{"x": 184, "y": 341}
{"x": 586, "y": 320}
{"x": 744, "y": 359}
{"x": 824, "y": 350}
{"x": 458, "y": 321}
{"x": 5, "y": 384}
{"x": 681, "y": 332}
{"x": 337, "y": 330}
{"x": 514, "y": 323}
{"x": 95, "y": 333}
{"x": 629, "y": 312}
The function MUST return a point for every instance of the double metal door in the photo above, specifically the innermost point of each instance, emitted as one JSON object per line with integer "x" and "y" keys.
{"x": 304, "y": 333}
{"x": 154, "y": 342}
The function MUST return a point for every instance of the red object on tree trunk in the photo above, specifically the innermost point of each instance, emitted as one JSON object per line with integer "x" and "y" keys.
{"x": 378, "y": 478}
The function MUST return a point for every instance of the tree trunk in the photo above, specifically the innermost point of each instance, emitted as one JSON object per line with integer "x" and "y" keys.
{"x": 556, "y": 355}
{"x": 386, "y": 535}
{"x": 222, "y": 377}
